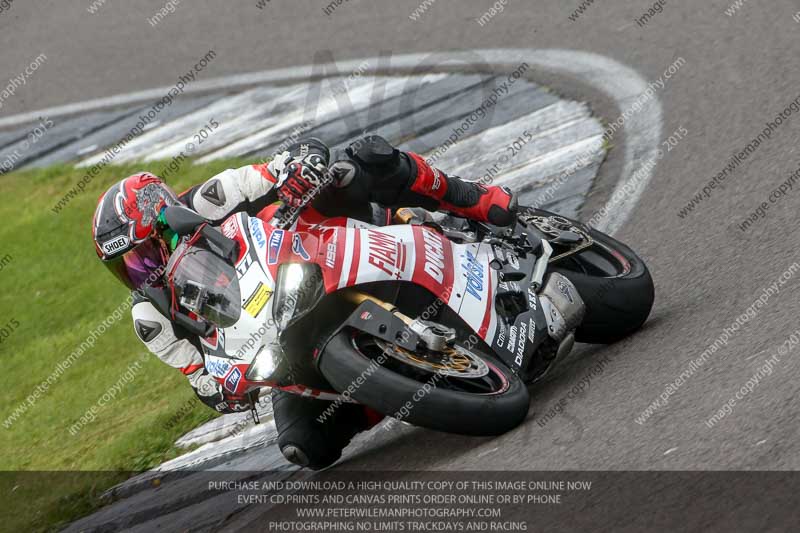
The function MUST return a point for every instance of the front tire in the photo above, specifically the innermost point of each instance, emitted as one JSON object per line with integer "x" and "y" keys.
{"x": 345, "y": 364}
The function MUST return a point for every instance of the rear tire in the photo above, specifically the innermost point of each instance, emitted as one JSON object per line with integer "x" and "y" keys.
{"x": 613, "y": 282}
{"x": 615, "y": 306}
{"x": 439, "y": 408}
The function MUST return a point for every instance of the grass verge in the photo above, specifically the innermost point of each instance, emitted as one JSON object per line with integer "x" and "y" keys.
{"x": 53, "y": 292}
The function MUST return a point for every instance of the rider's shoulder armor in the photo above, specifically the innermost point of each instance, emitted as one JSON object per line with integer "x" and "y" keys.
{"x": 248, "y": 188}
{"x": 169, "y": 342}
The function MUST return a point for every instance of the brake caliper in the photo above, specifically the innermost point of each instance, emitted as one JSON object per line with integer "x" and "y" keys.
{"x": 562, "y": 232}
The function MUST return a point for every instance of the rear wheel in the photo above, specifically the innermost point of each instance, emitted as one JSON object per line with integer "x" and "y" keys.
{"x": 458, "y": 391}
{"x": 614, "y": 283}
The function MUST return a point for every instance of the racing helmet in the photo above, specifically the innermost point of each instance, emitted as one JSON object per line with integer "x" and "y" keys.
{"x": 127, "y": 232}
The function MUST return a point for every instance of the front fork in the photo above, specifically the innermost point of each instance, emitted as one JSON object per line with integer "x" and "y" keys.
{"x": 357, "y": 298}
{"x": 435, "y": 336}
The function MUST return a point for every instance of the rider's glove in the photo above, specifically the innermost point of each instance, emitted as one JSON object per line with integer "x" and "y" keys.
{"x": 301, "y": 170}
{"x": 225, "y": 403}
{"x": 301, "y": 180}
{"x": 211, "y": 393}
{"x": 237, "y": 404}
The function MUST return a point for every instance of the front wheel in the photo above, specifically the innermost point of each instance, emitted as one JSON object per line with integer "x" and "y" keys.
{"x": 457, "y": 391}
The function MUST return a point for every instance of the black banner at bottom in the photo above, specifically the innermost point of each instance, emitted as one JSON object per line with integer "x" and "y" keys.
{"x": 339, "y": 500}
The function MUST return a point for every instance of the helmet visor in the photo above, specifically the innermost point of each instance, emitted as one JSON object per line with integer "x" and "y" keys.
{"x": 142, "y": 265}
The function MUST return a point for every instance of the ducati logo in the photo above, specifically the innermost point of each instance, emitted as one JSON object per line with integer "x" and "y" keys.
{"x": 434, "y": 255}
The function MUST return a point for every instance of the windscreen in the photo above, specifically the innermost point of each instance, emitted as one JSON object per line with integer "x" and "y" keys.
{"x": 206, "y": 285}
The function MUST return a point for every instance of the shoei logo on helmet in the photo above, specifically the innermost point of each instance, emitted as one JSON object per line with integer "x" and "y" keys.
{"x": 115, "y": 245}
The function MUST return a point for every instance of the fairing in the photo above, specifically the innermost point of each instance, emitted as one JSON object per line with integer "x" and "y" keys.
{"x": 349, "y": 253}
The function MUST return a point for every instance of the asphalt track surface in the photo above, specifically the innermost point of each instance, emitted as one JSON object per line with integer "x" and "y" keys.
{"x": 740, "y": 72}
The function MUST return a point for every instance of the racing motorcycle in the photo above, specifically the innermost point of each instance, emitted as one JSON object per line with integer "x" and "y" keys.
{"x": 442, "y": 323}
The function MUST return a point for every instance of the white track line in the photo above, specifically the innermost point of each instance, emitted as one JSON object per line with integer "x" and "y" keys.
{"x": 618, "y": 81}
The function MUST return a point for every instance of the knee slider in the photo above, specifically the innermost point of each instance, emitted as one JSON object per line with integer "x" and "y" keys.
{"x": 309, "y": 449}
{"x": 374, "y": 151}
{"x": 386, "y": 170}
{"x": 295, "y": 455}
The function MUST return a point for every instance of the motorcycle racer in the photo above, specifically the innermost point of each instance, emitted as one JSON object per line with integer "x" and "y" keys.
{"x": 133, "y": 242}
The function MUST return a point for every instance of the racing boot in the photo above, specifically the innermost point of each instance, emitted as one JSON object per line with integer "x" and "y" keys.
{"x": 393, "y": 178}
{"x": 492, "y": 204}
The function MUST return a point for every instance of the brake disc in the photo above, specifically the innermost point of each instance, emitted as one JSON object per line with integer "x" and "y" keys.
{"x": 452, "y": 361}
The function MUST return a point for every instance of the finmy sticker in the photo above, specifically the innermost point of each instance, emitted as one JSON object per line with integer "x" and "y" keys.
{"x": 256, "y": 302}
